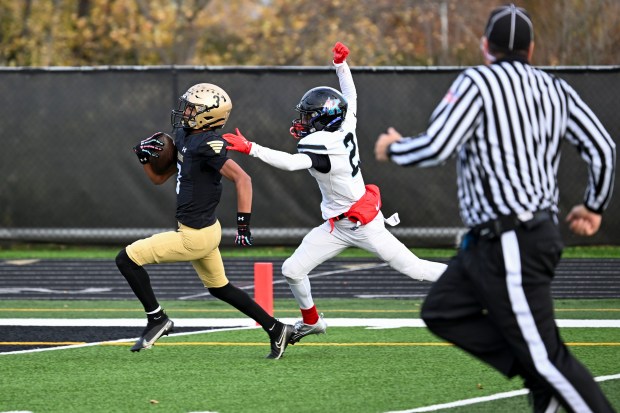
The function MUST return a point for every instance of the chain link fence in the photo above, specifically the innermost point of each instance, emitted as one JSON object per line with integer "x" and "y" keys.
{"x": 69, "y": 175}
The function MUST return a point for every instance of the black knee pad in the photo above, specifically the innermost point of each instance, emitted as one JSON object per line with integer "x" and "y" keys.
{"x": 123, "y": 260}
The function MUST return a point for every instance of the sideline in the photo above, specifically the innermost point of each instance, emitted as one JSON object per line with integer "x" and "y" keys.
{"x": 122, "y": 340}
{"x": 248, "y": 322}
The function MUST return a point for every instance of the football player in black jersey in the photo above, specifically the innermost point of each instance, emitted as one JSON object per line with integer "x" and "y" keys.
{"x": 201, "y": 163}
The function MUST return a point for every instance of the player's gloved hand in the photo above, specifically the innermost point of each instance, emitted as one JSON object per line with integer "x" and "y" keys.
{"x": 244, "y": 236}
{"x": 340, "y": 52}
{"x": 148, "y": 147}
{"x": 238, "y": 142}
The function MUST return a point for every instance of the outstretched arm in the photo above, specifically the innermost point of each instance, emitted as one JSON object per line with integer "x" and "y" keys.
{"x": 452, "y": 123}
{"x": 281, "y": 160}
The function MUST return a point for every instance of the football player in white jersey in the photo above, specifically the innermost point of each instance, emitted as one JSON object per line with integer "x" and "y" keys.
{"x": 328, "y": 149}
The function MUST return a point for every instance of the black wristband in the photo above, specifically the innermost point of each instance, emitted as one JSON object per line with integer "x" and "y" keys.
{"x": 243, "y": 218}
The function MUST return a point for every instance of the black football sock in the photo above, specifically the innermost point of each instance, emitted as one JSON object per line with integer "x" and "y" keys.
{"x": 138, "y": 280}
{"x": 244, "y": 303}
{"x": 156, "y": 315}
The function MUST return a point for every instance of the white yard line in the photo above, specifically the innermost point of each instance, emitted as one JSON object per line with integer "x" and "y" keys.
{"x": 475, "y": 400}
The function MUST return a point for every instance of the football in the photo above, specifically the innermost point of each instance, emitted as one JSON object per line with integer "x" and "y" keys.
{"x": 167, "y": 156}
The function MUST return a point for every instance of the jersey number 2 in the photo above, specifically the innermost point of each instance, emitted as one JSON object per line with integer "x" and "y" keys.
{"x": 355, "y": 165}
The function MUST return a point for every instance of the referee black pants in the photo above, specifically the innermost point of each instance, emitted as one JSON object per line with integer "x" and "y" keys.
{"x": 494, "y": 301}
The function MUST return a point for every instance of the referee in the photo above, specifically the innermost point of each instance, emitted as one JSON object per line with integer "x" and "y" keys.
{"x": 506, "y": 121}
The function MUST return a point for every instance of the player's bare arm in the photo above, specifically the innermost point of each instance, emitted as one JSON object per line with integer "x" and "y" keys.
{"x": 234, "y": 173}
{"x": 159, "y": 179}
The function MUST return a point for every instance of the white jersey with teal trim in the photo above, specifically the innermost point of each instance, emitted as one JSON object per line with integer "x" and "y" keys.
{"x": 343, "y": 185}
{"x": 340, "y": 188}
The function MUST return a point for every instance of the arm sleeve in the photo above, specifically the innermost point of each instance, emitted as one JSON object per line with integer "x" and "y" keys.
{"x": 281, "y": 160}
{"x": 595, "y": 146}
{"x": 347, "y": 87}
{"x": 451, "y": 125}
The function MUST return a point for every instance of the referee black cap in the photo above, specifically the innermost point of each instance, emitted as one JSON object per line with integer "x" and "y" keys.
{"x": 509, "y": 28}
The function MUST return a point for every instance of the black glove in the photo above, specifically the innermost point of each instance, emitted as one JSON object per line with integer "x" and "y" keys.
{"x": 148, "y": 147}
{"x": 244, "y": 236}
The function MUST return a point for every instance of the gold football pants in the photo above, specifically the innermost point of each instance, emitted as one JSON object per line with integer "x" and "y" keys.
{"x": 198, "y": 246}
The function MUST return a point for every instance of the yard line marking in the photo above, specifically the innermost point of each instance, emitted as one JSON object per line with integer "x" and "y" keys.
{"x": 475, "y": 400}
{"x": 350, "y": 268}
{"x": 128, "y": 341}
{"x": 254, "y": 344}
{"x": 122, "y": 340}
{"x": 247, "y": 322}
{"x": 606, "y": 378}
{"x": 465, "y": 402}
{"x": 18, "y": 290}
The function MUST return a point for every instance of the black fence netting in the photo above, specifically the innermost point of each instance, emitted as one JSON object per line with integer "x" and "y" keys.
{"x": 69, "y": 174}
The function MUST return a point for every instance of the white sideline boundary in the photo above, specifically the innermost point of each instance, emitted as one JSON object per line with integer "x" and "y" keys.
{"x": 121, "y": 340}
{"x": 247, "y": 322}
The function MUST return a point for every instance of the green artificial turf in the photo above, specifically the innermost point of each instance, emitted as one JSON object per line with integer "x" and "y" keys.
{"x": 347, "y": 370}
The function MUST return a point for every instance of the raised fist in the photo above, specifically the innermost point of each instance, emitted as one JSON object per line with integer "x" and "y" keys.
{"x": 340, "y": 52}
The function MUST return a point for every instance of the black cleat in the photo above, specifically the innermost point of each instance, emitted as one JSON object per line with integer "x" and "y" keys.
{"x": 153, "y": 331}
{"x": 280, "y": 340}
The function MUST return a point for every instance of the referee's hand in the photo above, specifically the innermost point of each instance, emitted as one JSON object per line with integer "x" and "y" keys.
{"x": 582, "y": 221}
{"x": 383, "y": 143}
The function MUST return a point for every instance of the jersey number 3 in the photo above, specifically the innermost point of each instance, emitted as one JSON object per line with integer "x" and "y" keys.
{"x": 355, "y": 163}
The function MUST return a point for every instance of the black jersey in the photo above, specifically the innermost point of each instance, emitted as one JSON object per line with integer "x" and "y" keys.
{"x": 199, "y": 182}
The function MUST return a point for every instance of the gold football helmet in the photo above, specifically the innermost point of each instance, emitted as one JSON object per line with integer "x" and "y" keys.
{"x": 203, "y": 106}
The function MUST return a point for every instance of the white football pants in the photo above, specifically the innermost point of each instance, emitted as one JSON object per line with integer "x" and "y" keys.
{"x": 319, "y": 245}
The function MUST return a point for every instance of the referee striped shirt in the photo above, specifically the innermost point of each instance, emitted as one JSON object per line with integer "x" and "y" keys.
{"x": 506, "y": 123}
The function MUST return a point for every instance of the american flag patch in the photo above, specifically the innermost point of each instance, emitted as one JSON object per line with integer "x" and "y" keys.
{"x": 451, "y": 97}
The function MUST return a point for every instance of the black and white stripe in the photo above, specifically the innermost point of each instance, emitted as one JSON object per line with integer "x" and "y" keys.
{"x": 506, "y": 122}
{"x": 527, "y": 325}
